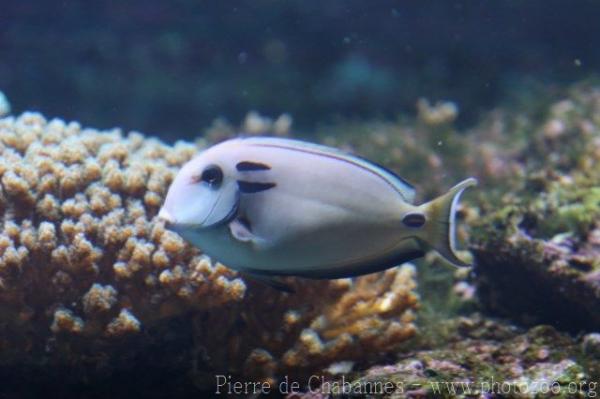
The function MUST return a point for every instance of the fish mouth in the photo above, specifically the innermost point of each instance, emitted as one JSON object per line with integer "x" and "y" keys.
{"x": 171, "y": 223}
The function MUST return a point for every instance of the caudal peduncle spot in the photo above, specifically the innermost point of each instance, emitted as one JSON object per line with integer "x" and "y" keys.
{"x": 414, "y": 220}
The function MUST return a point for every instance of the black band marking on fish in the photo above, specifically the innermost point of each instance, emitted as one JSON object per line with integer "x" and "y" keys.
{"x": 248, "y": 166}
{"x": 414, "y": 220}
{"x": 249, "y": 187}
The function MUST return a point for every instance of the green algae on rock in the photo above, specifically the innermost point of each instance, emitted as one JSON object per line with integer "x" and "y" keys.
{"x": 538, "y": 252}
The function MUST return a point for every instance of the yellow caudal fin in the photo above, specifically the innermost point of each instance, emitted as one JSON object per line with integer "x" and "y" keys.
{"x": 439, "y": 230}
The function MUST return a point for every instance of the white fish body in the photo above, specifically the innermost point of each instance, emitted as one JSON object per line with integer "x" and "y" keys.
{"x": 286, "y": 207}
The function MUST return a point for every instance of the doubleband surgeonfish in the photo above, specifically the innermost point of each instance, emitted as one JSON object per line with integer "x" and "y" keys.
{"x": 278, "y": 207}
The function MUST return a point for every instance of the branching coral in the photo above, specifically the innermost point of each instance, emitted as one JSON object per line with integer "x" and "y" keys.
{"x": 366, "y": 313}
{"x": 253, "y": 124}
{"x": 84, "y": 264}
{"x": 78, "y": 233}
{"x": 323, "y": 323}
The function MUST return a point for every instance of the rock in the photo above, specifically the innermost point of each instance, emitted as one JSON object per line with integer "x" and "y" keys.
{"x": 476, "y": 362}
{"x": 537, "y": 250}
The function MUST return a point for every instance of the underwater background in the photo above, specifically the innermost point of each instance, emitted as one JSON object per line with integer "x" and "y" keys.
{"x": 102, "y": 102}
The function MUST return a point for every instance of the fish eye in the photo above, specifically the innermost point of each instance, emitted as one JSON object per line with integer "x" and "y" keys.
{"x": 213, "y": 176}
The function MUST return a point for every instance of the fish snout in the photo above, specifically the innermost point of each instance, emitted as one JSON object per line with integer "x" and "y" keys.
{"x": 166, "y": 217}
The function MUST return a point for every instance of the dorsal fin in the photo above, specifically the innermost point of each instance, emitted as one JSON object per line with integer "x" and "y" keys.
{"x": 402, "y": 186}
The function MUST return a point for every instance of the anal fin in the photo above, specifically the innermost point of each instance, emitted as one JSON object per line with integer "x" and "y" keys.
{"x": 272, "y": 282}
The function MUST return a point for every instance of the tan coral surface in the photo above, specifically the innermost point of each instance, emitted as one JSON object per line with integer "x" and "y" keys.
{"x": 85, "y": 266}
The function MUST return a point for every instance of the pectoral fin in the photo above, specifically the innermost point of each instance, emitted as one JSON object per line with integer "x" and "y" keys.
{"x": 241, "y": 230}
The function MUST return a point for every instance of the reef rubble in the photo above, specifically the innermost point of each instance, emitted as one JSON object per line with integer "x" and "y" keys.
{"x": 480, "y": 357}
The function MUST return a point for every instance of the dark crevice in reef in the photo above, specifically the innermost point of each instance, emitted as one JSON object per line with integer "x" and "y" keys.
{"x": 156, "y": 364}
{"x": 513, "y": 286}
